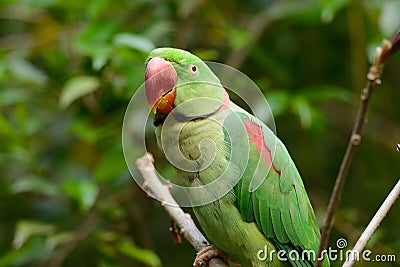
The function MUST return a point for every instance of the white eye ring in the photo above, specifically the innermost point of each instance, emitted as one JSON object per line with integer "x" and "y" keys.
{"x": 193, "y": 69}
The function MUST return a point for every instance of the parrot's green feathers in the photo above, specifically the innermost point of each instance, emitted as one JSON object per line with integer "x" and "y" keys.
{"x": 268, "y": 206}
{"x": 279, "y": 205}
{"x": 174, "y": 55}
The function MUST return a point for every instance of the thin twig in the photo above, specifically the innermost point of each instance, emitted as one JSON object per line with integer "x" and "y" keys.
{"x": 383, "y": 53}
{"x": 354, "y": 141}
{"x": 182, "y": 219}
{"x": 373, "y": 224}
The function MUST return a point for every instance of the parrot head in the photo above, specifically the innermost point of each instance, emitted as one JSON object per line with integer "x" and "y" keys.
{"x": 175, "y": 76}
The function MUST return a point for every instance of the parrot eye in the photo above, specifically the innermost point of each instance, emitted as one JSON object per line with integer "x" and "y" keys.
{"x": 193, "y": 69}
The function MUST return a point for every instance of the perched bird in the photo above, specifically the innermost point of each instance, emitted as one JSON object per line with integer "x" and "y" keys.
{"x": 251, "y": 203}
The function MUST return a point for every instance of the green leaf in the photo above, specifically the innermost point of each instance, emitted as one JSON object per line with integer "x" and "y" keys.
{"x": 5, "y": 127}
{"x": 55, "y": 240}
{"x": 238, "y": 37}
{"x": 303, "y": 109}
{"x": 77, "y": 87}
{"x": 97, "y": 7}
{"x": 89, "y": 132}
{"x": 111, "y": 165}
{"x": 11, "y": 96}
{"x": 112, "y": 243}
{"x": 278, "y": 102}
{"x": 84, "y": 192}
{"x": 291, "y": 9}
{"x": 40, "y": 3}
{"x": 133, "y": 41}
{"x": 27, "y": 229}
{"x": 34, "y": 184}
{"x": 26, "y": 71}
{"x": 104, "y": 263}
{"x": 34, "y": 250}
{"x": 95, "y": 42}
{"x": 148, "y": 257}
{"x": 329, "y": 8}
{"x": 26, "y": 121}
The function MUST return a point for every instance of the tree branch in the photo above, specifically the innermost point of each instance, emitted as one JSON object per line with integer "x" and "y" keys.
{"x": 373, "y": 224}
{"x": 383, "y": 53}
{"x": 182, "y": 219}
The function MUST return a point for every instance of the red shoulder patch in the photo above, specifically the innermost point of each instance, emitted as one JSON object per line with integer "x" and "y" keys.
{"x": 225, "y": 100}
{"x": 256, "y": 137}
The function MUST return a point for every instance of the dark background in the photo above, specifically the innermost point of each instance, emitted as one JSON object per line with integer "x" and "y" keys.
{"x": 69, "y": 68}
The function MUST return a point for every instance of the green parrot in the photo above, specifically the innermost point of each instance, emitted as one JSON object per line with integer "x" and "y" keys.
{"x": 251, "y": 203}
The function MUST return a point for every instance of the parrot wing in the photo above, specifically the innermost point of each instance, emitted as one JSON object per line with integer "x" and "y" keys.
{"x": 270, "y": 191}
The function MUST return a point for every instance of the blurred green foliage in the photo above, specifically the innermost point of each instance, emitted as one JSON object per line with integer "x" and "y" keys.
{"x": 69, "y": 68}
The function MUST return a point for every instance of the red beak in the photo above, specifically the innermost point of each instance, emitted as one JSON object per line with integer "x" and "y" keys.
{"x": 160, "y": 79}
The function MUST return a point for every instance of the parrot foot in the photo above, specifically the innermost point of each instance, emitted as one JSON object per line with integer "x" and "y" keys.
{"x": 176, "y": 237}
{"x": 210, "y": 252}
